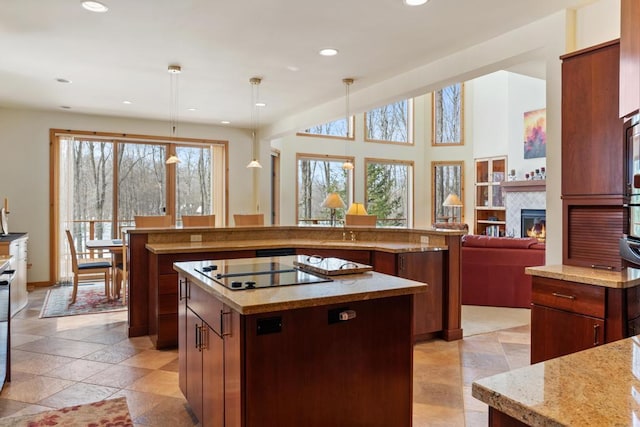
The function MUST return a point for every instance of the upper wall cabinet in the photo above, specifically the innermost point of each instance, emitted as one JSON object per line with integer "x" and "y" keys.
{"x": 629, "y": 57}
{"x": 592, "y": 133}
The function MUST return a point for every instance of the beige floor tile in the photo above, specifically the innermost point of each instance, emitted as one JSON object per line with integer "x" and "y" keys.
{"x": 35, "y": 389}
{"x": 151, "y": 359}
{"x": 112, "y": 354}
{"x": 158, "y": 382}
{"x": 78, "y": 370}
{"x": 61, "y": 347}
{"x": 36, "y": 363}
{"x": 78, "y": 393}
{"x": 119, "y": 376}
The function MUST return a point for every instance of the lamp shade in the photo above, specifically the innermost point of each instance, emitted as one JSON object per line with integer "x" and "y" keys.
{"x": 172, "y": 159}
{"x": 452, "y": 200}
{"x": 333, "y": 201}
{"x": 357, "y": 209}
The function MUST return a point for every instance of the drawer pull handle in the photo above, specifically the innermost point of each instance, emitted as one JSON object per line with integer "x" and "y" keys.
{"x": 601, "y": 267}
{"x": 225, "y": 327}
{"x": 556, "y": 294}
{"x": 596, "y": 328}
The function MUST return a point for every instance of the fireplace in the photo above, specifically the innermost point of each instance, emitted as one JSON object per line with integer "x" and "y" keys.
{"x": 533, "y": 223}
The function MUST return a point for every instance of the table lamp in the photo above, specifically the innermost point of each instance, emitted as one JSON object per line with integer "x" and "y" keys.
{"x": 333, "y": 201}
{"x": 452, "y": 201}
{"x": 357, "y": 209}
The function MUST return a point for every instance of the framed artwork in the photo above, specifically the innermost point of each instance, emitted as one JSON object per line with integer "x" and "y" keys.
{"x": 448, "y": 116}
{"x": 535, "y": 134}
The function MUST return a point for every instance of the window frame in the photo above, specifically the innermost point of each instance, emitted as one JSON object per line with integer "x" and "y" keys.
{"x": 322, "y": 157}
{"x": 350, "y": 137}
{"x": 434, "y": 132}
{"x": 434, "y": 202}
{"x": 410, "y": 192}
{"x": 410, "y": 126}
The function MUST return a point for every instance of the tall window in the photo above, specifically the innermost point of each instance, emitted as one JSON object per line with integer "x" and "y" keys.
{"x": 390, "y": 123}
{"x": 101, "y": 182}
{"x": 317, "y": 177}
{"x": 447, "y": 178}
{"x": 448, "y": 115}
{"x": 336, "y": 129}
{"x": 389, "y": 191}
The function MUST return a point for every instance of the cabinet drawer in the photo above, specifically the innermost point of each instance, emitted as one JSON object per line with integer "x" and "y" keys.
{"x": 205, "y": 306}
{"x": 574, "y": 297}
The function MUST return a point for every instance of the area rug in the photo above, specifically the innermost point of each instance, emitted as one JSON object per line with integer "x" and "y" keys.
{"x": 112, "y": 413}
{"x": 90, "y": 299}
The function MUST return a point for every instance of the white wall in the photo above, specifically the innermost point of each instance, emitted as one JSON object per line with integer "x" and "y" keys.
{"x": 24, "y": 173}
{"x": 597, "y": 23}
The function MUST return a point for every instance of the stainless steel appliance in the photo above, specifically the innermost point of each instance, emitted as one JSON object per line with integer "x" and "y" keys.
{"x": 630, "y": 242}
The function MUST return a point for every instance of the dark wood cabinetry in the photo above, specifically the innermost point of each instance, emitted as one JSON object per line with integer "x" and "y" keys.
{"x": 629, "y": 58}
{"x": 593, "y": 157}
{"x": 422, "y": 267}
{"x": 296, "y": 367}
{"x": 567, "y": 317}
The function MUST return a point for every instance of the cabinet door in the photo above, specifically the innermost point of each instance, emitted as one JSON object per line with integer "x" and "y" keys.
{"x": 182, "y": 334}
{"x": 424, "y": 267}
{"x": 592, "y": 132}
{"x": 194, "y": 363}
{"x": 212, "y": 378}
{"x": 629, "y": 57}
{"x": 555, "y": 333}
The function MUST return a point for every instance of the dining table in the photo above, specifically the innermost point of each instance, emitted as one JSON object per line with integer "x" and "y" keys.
{"x": 116, "y": 250}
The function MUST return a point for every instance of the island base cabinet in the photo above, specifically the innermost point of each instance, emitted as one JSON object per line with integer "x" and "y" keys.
{"x": 556, "y": 333}
{"x": 305, "y": 367}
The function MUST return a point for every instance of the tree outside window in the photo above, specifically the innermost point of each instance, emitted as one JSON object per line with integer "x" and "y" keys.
{"x": 317, "y": 177}
{"x": 448, "y": 115}
{"x": 336, "y": 129}
{"x": 389, "y": 192}
{"x": 447, "y": 178}
{"x": 390, "y": 123}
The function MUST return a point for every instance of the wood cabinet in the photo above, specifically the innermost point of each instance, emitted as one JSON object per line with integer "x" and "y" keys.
{"x": 490, "y": 215}
{"x": 593, "y": 158}
{"x": 422, "y": 267}
{"x": 299, "y": 366}
{"x": 629, "y": 58}
{"x": 567, "y": 317}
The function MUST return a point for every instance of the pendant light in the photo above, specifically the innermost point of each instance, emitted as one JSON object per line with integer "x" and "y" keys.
{"x": 347, "y": 165}
{"x": 255, "y": 120}
{"x": 174, "y": 72}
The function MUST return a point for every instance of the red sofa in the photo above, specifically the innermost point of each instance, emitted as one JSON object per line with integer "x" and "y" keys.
{"x": 493, "y": 270}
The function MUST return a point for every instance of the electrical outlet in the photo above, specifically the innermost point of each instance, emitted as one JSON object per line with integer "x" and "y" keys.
{"x": 196, "y": 237}
{"x": 424, "y": 240}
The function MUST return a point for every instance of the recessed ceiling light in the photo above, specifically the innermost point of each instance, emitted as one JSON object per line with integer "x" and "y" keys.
{"x": 65, "y": 107}
{"x": 292, "y": 68}
{"x": 329, "y": 51}
{"x": 61, "y": 80}
{"x": 415, "y": 2}
{"x": 192, "y": 109}
{"x": 225, "y": 122}
{"x": 94, "y": 6}
{"x": 261, "y": 104}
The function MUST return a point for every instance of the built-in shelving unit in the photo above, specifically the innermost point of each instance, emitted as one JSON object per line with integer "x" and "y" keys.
{"x": 490, "y": 214}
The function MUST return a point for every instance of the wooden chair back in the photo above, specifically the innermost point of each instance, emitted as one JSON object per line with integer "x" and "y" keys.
{"x": 361, "y": 220}
{"x": 89, "y": 267}
{"x": 198, "y": 220}
{"x": 72, "y": 250}
{"x": 143, "y": 221}
{"x": 250, "y": 219}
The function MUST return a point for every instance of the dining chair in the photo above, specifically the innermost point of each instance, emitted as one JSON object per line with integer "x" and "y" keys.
{"x": 121, "y": 283}
{"x": 198, "y": 220}
{"x": 249, "y": 219}
{"x": 85, "y": 267}
{"x": 361, "y": 220}
{"x": 143, "y": 221}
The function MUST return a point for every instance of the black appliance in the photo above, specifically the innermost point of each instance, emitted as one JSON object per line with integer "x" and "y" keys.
{"x": 630, "y": 242}
{"x": 253, "y": 275}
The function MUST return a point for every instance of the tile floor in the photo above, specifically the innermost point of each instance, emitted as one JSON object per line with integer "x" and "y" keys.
{"x": 63, "y": 361}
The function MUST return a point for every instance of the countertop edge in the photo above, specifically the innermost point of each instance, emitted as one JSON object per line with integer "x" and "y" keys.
{"x": 627, "y": 278}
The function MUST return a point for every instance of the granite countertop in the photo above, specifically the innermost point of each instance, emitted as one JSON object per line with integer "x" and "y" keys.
{"x": 595, "y": 387}
{"x": 627, "y": 278}
{"x": 344, "y": 288}
{"x": 394, "y": 247}
{"x": 10, "y": 237}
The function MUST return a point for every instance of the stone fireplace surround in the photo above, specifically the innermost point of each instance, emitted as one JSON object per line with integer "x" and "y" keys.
{"x": 522, "y": 195}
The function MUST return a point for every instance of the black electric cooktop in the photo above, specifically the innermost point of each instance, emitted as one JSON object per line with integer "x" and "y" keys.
{"x": 257, "y": 275}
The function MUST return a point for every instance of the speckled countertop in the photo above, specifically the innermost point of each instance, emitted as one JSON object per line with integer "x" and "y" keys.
{"x": 395, "y": 247}
{"x": 345, "y": 288}
{"x": 627, "y": 278}
{"x": 595, "y": 387}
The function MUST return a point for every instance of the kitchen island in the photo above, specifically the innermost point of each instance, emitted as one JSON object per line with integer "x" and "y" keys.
{"x": 595, "y": 387}
{"x": 317, "y": 354}
{"x": 428, "y": 256}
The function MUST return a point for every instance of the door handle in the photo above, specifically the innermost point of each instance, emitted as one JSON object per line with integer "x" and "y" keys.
{"x": 596, "y": 328}
{"x": 556, "y": 294}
